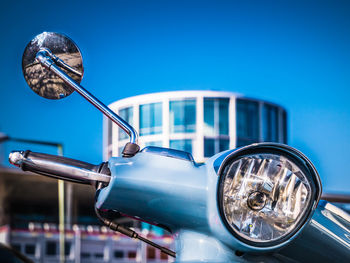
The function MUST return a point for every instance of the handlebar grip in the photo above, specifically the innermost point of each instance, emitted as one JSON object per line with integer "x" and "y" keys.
{"x": 60, "y": 167}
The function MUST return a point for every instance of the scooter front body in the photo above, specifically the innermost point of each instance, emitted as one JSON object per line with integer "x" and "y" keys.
{"x": 181, "y": 196}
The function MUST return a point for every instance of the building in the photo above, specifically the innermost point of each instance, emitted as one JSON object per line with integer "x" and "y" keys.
{"x": 200, "y": 122}
{"x": 29, "y": 223}
{"x": 86, "y": 244}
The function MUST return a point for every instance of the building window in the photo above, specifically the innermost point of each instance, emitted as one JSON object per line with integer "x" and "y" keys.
{"x": 182, "y": 145}
{"x": 17, "y": 247}
{"x": 120, "y": 150}
{"x": 224, "y": 144}
{"x": 29, "y": 249}
{"x": 119, "y": 254}
{"x": 270, "y": 123}
{"x": 223, "y": 116}
{"x": 284, "y": 128}
{"x": 132, "y": 254}
{"x": 213, "y": 146}
{"x": 51, "y": 248}
{"x": 98, "y": 255}
{"x": 154, "y": 143}
{"x": 67, "y": 248}
{"x": 209, "y": 147}
{"x": 126, "y": 114}
{"x": 151, "y": 118}
{"x": 216, "y": 116}
{"x": 216, "y": 123}
{"x": 109, "y": 138}
{"x": 247, "y": 122}
{"x": 209, "y": 117}
{"x": 182, "y": 116}
{"x": 163, "y": 256}
{"x": 151, "y": 253}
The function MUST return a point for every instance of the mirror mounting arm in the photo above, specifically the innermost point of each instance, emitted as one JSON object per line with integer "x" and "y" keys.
{"x": 44, "y": 59}
{"x": 47, "y": 52}
{"x": 43, "y": 56}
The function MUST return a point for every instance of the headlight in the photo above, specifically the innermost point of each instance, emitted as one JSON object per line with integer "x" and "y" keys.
{"x": 267, "y": 192}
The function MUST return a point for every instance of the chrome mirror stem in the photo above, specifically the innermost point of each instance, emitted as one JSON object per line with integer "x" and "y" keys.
{"x": 60, "y": 62}
{"x": 43, "y": 56}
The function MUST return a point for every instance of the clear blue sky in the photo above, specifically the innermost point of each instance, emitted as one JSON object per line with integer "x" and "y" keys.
{"x": 294, "y": 53}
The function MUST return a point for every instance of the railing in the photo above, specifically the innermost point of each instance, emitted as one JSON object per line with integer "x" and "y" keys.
{"x": 40, "y": 243}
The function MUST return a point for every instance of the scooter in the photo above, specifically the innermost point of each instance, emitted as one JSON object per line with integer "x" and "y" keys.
{"x": 258, "y": 203}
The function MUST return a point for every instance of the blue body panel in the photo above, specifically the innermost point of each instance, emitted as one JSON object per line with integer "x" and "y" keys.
{"x": 182, "y": 196}
{"x": 158, "y": 189}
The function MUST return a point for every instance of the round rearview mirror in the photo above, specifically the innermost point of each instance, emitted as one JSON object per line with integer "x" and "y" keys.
{"x": 64, "y": 52}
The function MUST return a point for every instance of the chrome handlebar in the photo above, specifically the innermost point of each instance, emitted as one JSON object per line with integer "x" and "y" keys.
{"x": 60, "y": 167}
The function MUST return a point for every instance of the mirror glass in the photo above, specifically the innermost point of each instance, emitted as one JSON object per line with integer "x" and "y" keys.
{"x": 41, "y": 80}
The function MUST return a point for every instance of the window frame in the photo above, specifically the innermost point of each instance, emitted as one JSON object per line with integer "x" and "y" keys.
{"x": 217, "y": 116}
{"x": 171, "y": 122}
{"x": 151, "y": 127}
{"x": 122, "y": 135}
{"x": 182, "y": 140}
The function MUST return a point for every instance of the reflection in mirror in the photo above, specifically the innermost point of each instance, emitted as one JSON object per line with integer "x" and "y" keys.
{"x": 66, "y": 55}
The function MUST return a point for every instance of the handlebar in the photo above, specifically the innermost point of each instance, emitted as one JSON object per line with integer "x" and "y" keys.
{"x": 60, "y": 167}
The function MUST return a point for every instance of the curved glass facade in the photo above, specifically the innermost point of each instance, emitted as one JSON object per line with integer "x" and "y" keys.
{"x": 214, "y": 146}
{"x": 150, "y": 118}
{"x": 247, "y": 122}
{"x": 216, "y": 125}
{"x": 127, "y": 115}
{"x": 258, "y": 121}
{"x": 182, "y": 115}
{"x": 182, "y": 145}
{"x": 201, "y": 122}
{"x": 216, "y": 116}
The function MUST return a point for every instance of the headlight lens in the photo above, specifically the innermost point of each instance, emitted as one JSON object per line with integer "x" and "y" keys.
{"x": 264, "y": 196}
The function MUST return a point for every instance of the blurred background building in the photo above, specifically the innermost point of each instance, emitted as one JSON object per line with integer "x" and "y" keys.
{"x": 200, "y": 122}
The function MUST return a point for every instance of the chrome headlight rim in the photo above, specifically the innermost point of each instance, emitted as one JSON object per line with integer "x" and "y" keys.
{"x": 290, "y": 153}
